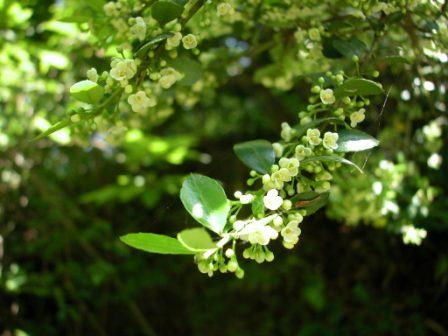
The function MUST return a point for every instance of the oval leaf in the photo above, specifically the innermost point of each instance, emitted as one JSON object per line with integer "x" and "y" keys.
{"x": 332, "y": 158}
{"x": 165, "y": 11}
{"x": 197, "y": 239}
{"x": 349, "y": 47}
{"x": 155, "y": 243}
{"x": 257, "y": 155}
{"x": 351, "y": 140}
{"x": 206, "y": 201}
{"x": 310, "y": 201}
{"x": 87, "y": 91}
{"x": 359, "y": 86}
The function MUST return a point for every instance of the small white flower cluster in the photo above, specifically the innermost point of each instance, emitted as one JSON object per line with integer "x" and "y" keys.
{"x": 413, "y": 235}
{"x": 298, "y": 171}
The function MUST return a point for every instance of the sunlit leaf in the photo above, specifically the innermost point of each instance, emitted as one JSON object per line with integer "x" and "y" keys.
{"x": 197, "y": 239}
{"x": 351, "y": 140}
{"x": 155, "y": 243}
{"x": 257, "y": 155}
{"x": 206, "y": 201}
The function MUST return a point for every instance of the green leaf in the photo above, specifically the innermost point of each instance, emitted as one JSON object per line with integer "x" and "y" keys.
{"x": 197, "y": 239}
{"x": 349, "y": 47}
{"x": 189, "y": 68}
{"x": 310, "y": 201}
{"x": 301, "y": 129}
{"x": 165, "y": 11}
{"x": 155, "y": 243}
{"x": 87, "y": 91}
{"x": 332, "y": 158}
{"x": 159, "y": 38}
{"x": 351, "y": 140}
{"x": 206, "y": 201}
{"x": 56, "y": 127}
{"x": 258, "y": 208}
{"x": 360, "y": 87}
{"x": 257, "y": 155}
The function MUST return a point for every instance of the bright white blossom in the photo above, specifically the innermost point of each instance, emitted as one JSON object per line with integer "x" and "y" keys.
{"x": 140, "y": 102}
{"x": 330, "y": 140}
{"x": 313, "y": 136}
{"x": 413, "y": 235}
{"x": 435, "y": 161}
{"x": 327, "y": 96}
{"x": 272, "y": 200}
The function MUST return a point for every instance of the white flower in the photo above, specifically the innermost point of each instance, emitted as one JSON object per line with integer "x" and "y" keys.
{"x": 292, "y": 165}
{"x": 281, "y": 175}
{"x": 140, "y": 101}
{"x": 357, "y": 117}
{"x": 330, "y": 140}
{"x": 291, "y": 232}
{"x": 169, "y": 77}
{"x": 189, "y": 41}
{"x": 174, "y": 41}
{"x": 327, "y": 96}
{"x": 314, "y": 34}
{"x": 138, "y": 30}
{"x": 432, "y": 130}
{"x": 286, "y": 132}
{"x": 123, "y": 69}
{"x": 313, "y": 136}
{"x": 92, "y": 75}
{"x": 412, "y": 235}
{"x": 278, "y": 149}
{"x": 246, "y": 199}
{"x": 302, "y": 152}
{"x": 259, "y": 232}
{"x": 272, "y": 200}
{"x": 224, "y": 9}
{"x": 435, "y": 161}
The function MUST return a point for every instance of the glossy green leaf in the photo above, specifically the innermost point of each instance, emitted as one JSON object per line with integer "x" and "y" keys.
{"x": 349, "y": 47}
{"x": 310, "y": 201}
{"x": 257, "y": 155}
{"x": 351, "y": 140}
{"x": 155, "y": 243}
{"x": 258, "y": 208}
{"x": 333, "y": 158}
{"x": 360, "y": 87}
{"x": 152, "y": 42}
{"x": 165, "y": 11}
{"x": 197, "y": 239}
{"x": 206, "y": 201}
{"x": 87, "y": 92}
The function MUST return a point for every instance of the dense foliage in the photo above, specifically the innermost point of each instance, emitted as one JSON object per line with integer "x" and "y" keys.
{"x": 223, "y": 131}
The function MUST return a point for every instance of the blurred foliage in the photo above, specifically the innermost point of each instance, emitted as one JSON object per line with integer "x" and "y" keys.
{"x": 64, "y": 200}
